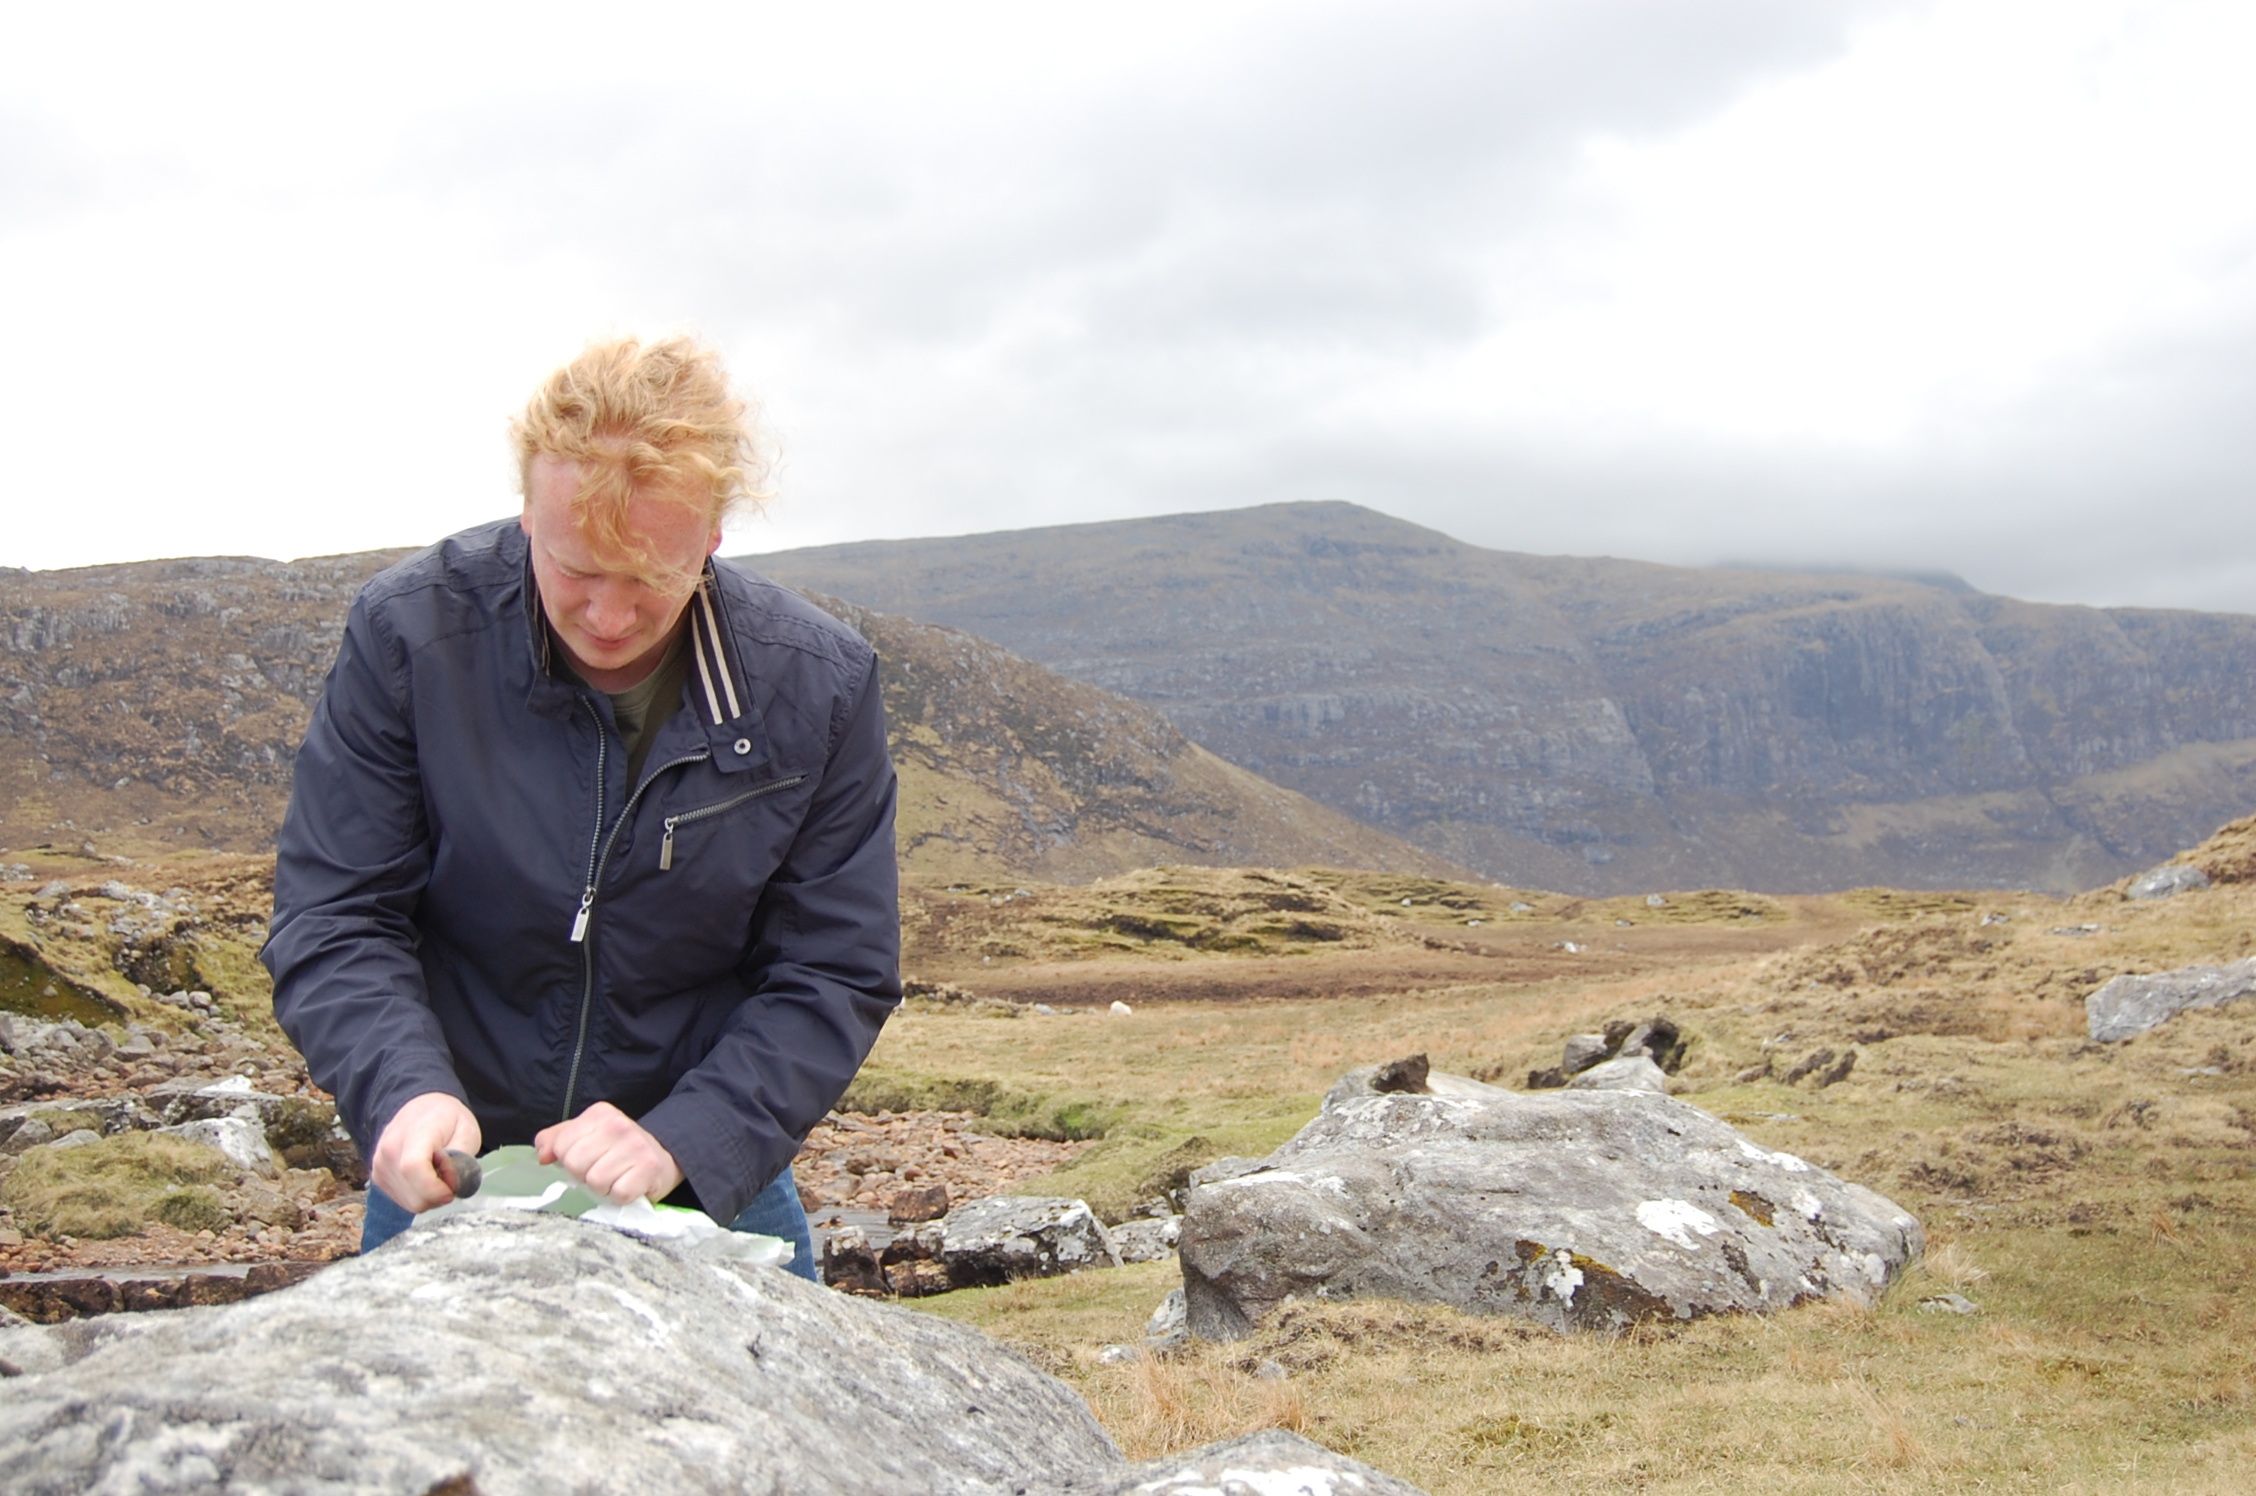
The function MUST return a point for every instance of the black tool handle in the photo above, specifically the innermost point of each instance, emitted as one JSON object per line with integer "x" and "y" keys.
{"x": 466, "y": 1174}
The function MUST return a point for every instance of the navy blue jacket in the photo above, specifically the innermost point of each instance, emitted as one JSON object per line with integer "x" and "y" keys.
{"x": 470, "y": 897}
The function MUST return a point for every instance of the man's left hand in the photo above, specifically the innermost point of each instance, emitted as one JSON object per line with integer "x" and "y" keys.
{"x": 607, "y": 1150}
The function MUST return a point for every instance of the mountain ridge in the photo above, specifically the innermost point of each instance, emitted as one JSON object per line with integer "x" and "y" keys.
{"x": 157, "y": 706}
{"x": 1601, "y": 725}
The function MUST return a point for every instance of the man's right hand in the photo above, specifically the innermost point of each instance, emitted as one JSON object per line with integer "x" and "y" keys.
{"x": 406, "y": 1163}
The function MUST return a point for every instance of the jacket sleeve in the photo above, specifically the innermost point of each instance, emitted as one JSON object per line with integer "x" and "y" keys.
{"x": 350, "y": 869}
{"x": 823, "y": 973}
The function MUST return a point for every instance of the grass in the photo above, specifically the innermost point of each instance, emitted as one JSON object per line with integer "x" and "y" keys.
{"x": 2098, "y": 1203}
{"x": 117, "y": 1185}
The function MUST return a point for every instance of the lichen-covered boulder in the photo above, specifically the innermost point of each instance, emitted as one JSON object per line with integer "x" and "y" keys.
{"x": 514, "y": 1355}
{"x": 1147, "y": 1240}
{"x": 2165, "y": 881}
{"x": 1575, "y": 1209}
{"x": 2130, "y": 1005}
{"x": 1004, "y": 1238}
{"x": 1635, "y": 1072}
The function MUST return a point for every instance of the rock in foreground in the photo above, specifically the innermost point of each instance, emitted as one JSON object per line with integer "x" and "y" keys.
{"x": 535, "y": 1354}
{"x": 1575, "y": 1209}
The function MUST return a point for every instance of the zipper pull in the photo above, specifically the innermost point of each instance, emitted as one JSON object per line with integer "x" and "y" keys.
{"x": 666, "y": 847}
{"x": 580, "y": 920}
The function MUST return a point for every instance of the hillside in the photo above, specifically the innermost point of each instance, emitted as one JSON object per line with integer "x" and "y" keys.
{"x": 157, "y": 707}
{"x": 1604, "y": 726}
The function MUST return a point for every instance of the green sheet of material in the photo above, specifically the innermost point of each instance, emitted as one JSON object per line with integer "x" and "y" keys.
{"x": 514, "y": 1178}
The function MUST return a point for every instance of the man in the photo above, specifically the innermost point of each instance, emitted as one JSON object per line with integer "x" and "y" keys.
{"x": 591, "y": 839}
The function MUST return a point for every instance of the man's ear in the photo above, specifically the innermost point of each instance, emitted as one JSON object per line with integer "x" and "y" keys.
{"x": 525, "y": 518}
{"x": 712, "y": 545}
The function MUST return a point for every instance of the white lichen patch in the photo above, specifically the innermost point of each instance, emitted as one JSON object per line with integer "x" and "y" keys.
{"x": 1676, "y": 1220}
{"x": 1786, "y": 1161}
{"x": 1561, "y": 1277}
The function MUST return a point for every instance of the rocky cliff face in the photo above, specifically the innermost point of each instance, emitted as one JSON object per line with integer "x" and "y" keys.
{"x": 159, "y": 705}
{"x": 163, "y": 701}
{"x": 1605, "y": 726}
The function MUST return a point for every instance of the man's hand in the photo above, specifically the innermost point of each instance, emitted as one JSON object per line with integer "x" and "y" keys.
{"x": 607, "y": 1150}
{"x": 406, "y": 1163}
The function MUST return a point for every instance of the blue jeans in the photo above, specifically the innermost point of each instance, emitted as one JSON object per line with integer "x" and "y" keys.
{"x": 775, "y": 1211}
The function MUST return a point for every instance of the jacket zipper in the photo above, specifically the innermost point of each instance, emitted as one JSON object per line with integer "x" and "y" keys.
{"x": 666, "y": 845}
{"x": 599, "y": 853}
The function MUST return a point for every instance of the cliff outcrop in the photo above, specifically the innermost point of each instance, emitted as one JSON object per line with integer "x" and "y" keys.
{"x": 1603, "y": 726}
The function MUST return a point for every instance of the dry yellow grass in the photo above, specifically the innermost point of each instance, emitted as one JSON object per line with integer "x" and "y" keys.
{"x": 2098, "y": 1203}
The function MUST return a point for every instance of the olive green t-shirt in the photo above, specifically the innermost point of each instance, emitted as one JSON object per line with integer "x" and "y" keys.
{"x": 640, "y": 710}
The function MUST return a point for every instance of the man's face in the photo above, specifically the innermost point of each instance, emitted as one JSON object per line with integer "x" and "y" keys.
{"x": 614, "y": 626}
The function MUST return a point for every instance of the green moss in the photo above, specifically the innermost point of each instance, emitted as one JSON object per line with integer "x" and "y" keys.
{"x": 115, "y": 1186}
{"x": 228, "y": 968}
{"x": 1008, "y": 1110}
{"x": 1139, "y": 1163}
{"x": 194, "y": 1207}
{"x": 300, "y": 1122}
{"x": 29, "y": 985}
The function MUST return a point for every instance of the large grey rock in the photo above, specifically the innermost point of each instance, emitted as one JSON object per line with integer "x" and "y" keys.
{"x": 1008, "y": 1237}
{"x": 1575, "y": 1209}
{"x": 2162, "y": 882}
{"x": 1635, "y": 1072}
{"x": 533, "y": 1354}
{"x": 241, "y": 1139}
{"x": 2128, "y": 1006}
{"x": 1147, "y": 1240}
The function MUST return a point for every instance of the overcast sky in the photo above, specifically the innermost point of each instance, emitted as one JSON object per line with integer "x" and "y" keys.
{"x": 1935, "y": 286}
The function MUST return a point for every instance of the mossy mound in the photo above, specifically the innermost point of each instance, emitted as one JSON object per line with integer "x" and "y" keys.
{"x": 1005, "y": 1110}
{"x": 118, "y": 1185}
{"x": 2230, "y": 855}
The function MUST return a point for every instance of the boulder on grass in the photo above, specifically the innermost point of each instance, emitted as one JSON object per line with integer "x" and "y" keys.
{"x": 1635, "y": 1072}
{"x": 2128, "y": 1006}
{"x": 1147, "y": 1240}
{"x": 1574, "y": 1209}
{"x": 1008, "y": 1237}
{"x": 513, "y": 1355}
{"x": 2165, "y": 881}
{"x": 240, "y": 1139}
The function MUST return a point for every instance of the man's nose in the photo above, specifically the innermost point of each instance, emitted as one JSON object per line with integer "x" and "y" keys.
{"x": 611, "y": 609}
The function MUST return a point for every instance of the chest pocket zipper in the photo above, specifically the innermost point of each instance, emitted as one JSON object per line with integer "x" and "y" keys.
{"x": 666, "y": 844}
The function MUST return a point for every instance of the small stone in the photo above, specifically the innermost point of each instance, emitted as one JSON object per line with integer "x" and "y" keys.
{"x": 1117, "y": 1355}
{"x": 1121, "y": 1009}
{"x": 923, "y": 1203}
{"x": 1949, "y": 1303}
{"x": 1167, "y": 1321}
{"x": 1582, "y": 1051}
{"x": 1147, "y": 1240}
{"x": 1271, "y": 1371}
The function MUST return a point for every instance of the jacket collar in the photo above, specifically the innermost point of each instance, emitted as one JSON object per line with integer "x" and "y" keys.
{"x": 714, "y": 680}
